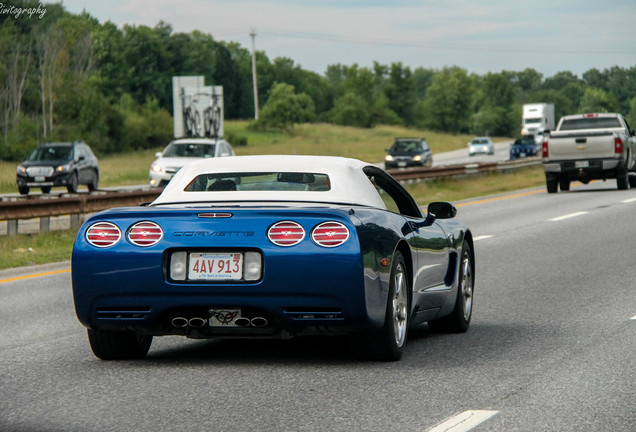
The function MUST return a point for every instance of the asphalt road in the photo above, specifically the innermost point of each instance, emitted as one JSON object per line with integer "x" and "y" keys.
{"x": 551, "y": 346}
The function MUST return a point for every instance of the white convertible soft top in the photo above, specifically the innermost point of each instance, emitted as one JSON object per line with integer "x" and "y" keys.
{"x": 349, "y": 184}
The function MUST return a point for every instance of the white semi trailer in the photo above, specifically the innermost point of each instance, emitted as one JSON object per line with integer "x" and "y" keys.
{"x": 537, "y": 118}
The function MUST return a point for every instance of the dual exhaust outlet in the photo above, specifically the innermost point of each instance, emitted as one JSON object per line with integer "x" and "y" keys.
{"x": 197, "y": 322}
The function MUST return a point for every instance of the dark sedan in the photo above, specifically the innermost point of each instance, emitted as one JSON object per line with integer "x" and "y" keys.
{"x": 408, "y": 152}
{"x": 524, "y": 147}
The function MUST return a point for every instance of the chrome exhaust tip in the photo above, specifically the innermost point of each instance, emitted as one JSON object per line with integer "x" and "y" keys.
{"x": 242, "y": 322}
{"x": 259, "y": 322}
{"x": 197, "y": 322}
{"x": 179, "y": 322}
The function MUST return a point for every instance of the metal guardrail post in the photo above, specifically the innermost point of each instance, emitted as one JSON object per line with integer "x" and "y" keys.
{"x": 45, "y": 224}
{"x": 12, "y": 227}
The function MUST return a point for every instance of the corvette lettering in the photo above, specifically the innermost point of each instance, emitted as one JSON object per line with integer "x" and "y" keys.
{"x": 213, "y": 233}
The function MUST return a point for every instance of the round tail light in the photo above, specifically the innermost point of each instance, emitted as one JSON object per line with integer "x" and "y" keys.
{"x": 145, "y": 233}
{"x": 103, "y": 234}
{"x": 330, "y": 234}
{"x": 286, "y": 233}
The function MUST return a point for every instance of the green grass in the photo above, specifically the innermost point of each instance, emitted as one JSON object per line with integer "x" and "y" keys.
{"x": 314, "y": 139}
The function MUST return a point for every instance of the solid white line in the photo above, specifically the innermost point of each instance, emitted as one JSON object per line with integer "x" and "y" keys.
{"x": 629, "y": 200}
{"x": 465, "y": 421}
{"x": 481, "y": 237}
{"x": 568, "y": 216}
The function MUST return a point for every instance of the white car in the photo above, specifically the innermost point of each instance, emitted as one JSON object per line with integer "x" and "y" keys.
{"x": 481, "y": 145}
{"x": 183, "y": 151}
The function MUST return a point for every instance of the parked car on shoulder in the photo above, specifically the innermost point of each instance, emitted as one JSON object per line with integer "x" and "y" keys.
{"x": 525, "y": 146}
{"x": 183, "y": 151}
{"x": 481, "y": 145}
{"x": 408, "y": 152}
{"x": 66, "y": 164}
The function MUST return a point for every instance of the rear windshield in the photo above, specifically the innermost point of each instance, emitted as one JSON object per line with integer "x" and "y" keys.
{"x": 261, "y": 181}
{"x": 590, "y": 123}
{"x": 197, "y": 150}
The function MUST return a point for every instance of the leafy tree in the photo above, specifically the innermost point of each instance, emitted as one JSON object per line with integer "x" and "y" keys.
{"x": 448, "y": 103}
{"x": 351, "y": 109}
{"x": 597, "y": 100}
{"x": 285, "y": 107}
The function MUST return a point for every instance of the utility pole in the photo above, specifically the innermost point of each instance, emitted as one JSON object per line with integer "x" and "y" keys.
{"x": 254, "y": 80}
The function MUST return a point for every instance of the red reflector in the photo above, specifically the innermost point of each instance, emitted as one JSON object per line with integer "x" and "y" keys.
{"x": 544, "y": 149}
{"x": 618, "y": 145}
{"x": 103, "y": 234}
{"x": 286, "y": 233}
{"x": 330, "y": 234}
{"x": 145, "y": 233}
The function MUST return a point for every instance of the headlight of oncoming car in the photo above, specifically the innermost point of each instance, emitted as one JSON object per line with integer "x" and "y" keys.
{"x": 63, "y": 168}
{"x": 417, "y": 158}
{"x": 388, "y": 158}
{"x": 21, "y": 169}
{"x": 155, "y": 167}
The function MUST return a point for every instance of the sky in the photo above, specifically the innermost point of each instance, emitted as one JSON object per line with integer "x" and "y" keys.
{"x": 479, "y": 36}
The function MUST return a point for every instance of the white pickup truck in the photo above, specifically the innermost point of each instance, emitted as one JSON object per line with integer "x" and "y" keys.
{"x": 588, "y": 147}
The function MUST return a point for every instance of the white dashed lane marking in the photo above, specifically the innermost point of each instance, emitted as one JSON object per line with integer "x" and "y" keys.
{"x": 465, "y": 421}
{"x": 568, "y": 216}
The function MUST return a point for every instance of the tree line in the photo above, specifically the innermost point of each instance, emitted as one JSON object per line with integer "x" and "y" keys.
{"x": 67, "y": 76}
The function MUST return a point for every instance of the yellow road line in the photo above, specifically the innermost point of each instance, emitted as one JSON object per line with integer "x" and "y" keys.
{"x": 500, "y": 198}
{"x": 34, "y": 275}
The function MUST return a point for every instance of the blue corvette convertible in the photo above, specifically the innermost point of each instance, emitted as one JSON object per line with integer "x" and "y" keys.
{"x": 273, "y": 247}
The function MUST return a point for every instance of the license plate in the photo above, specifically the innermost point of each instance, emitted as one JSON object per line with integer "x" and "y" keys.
{"x": 522, "y": 154}
{"x": 581, "y": 164}
{"x": 401, "y": 164}
{"x": 215, "y": 266}
{"x": 40, "y": 179}
{"x": 224, "y": 317}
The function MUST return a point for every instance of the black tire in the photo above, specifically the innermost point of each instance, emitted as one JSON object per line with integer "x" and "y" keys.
{"x": 24, "y": 190}
{"x": 552, "y": 185}
{"x": 73, "y": 184}
{"x": 564, "y": 183}
{"x": 459, "y": 319}
{"x": 118, "y": 345}
{"x": 189, "y": 120}
{"x": 388, "y": 343}
{"x": 92, "y": 186}
{"x": 46, "y": 189}
{"x": 632, "y": 181}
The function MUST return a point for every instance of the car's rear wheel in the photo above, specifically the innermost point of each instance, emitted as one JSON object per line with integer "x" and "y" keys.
{"x": 118, "y": 345}
{"x": 92, "y": 186}
{"x": 552, "y": 184}
{"x": 459, "y": 319}
{"x": 72, "y": 185}
{"x": 388, "y": 343}
{"x": 24, "y": 190}
{"x": 622, "y": 180}
{"x": 564, "y": 183}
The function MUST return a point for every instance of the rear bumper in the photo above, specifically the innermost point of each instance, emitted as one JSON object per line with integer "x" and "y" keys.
{"x": 292, "y": 297}
{"x": 585, "y": 169}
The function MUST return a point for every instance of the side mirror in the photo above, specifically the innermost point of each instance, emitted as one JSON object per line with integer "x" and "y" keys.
{"x": 441, "y": 210}
{"x": 158, "y": 154}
